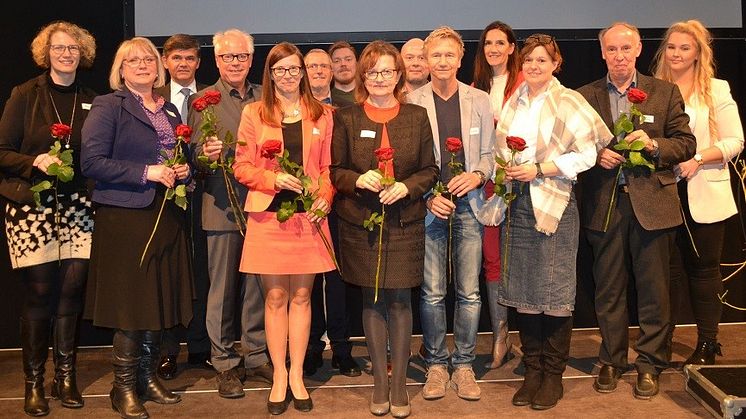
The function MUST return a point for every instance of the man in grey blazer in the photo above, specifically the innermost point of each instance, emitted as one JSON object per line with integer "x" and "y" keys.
{"x": 181, "y": 60}
{"x": 233, "y": 55}
{"x": 454, "y": 110}
{"x": 635, "y": 244}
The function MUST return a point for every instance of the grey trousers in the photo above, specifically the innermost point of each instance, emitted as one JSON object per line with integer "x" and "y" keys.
{"x": 232, "y": 292}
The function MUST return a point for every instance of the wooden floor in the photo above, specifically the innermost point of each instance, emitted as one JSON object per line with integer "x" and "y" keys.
{"x": 337, "y": 396}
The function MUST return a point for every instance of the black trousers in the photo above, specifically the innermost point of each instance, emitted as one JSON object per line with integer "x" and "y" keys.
{"x": 629, "y": 252}
{"x": 335, "y": 320}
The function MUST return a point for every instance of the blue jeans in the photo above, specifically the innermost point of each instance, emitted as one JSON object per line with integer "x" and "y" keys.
{"x": 467, "y": 260}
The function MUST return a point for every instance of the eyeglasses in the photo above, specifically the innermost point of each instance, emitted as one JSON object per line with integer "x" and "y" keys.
{"x": 228, "y": 58}
{"x": 386, "y": 74}
{"x": 60, "y": 49}
{"x": 314, "y": 67}
{"x": 280, "y": 71}
{"x": 135, "y": 61}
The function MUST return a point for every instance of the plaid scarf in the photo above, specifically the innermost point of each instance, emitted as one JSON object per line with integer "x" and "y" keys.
{"x": 575, "y": 127}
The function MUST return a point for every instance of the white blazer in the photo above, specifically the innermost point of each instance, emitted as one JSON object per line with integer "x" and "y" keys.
{"x": 710, "y": 194}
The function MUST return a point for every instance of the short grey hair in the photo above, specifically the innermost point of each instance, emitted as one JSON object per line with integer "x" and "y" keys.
{"x": 219, "y": 38}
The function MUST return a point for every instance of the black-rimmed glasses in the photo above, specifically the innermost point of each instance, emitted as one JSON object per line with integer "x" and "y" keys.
{"x": 280, "y": 71}
{"x": 228, "y": 58}
{"x": 386, "y": 74}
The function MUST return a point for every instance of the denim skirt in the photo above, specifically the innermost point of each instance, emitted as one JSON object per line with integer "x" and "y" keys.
{"x": 538, "y": 270}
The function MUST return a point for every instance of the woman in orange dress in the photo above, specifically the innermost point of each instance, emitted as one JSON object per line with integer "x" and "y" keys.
{"x": 287, "y": 255}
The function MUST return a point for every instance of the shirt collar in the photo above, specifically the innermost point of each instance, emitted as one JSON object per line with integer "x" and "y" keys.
{"x": 176, "y": 87}
{"x": 610, "y": 86}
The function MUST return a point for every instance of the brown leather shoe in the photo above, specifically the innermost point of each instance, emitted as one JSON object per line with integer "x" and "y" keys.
{"x": 646, "y": 386}
{"x": 607, "y": 379}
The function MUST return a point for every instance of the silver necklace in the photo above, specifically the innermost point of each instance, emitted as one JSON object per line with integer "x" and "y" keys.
{"x": 72, "y": 117}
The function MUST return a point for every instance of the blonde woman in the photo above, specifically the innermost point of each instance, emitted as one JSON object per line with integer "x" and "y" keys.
{"x": 685, "y": 58}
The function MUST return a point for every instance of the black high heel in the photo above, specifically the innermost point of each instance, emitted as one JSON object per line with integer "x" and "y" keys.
{"x": 278, "y": 408}
{"x": 302, "y": 405}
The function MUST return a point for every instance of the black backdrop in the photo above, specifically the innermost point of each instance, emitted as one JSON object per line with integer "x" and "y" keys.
{"x": 111, "y": 21}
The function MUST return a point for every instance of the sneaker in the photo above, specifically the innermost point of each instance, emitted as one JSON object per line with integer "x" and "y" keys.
{"x": 437, "y": 382}
{"x": 229, "y": 386}
{"x": 465, "y": 384}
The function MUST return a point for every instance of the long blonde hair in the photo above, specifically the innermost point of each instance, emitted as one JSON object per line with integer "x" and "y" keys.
{"x": 704, "y": 65}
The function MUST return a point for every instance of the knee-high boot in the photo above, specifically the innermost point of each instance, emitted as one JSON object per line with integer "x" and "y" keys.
{"x": 123, "y": 395}
{"x": 555, "y": 353}
{"x": 35, "y": 341}
{"x": 64, "y": 386}
{"x": 148, "y": 385}
{"x": 529, "y": 326}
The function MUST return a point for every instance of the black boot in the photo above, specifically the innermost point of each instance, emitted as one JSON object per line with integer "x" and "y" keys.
{"x": 148, "y": 385}
{"x": 64, "y": 386}
{"x": 529, "y": 327}
{"x": 705, "y": 353}
{"x": 35, "y": 340}
{"x": 123, "y": 396}
{"x": 555, "y": 353}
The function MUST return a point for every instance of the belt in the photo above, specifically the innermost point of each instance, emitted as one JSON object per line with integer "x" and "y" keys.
{"x": 623, "y": 188}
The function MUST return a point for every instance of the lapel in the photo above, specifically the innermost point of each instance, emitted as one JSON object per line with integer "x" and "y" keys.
{"x": 44, "y": 102}
{"x": 465, "y": 105}
{"x": 401, "y": 123}
{"x": 427, "y": 101}
{"x": 307, "y": 126}
{"x": 603, "y": 104}
{"x": 132, "y": 106}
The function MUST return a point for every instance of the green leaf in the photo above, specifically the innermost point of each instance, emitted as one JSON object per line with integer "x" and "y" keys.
{"x": 499, "y": 160}
{"x": 203, "y": 159}
{"x": 53, "y": 169}
{"x": 636, "y": 158}
{"x": 500, "y": 189}
{"x": 170, "y": 193}
{"x": 319, "y": 213}
{"x": 621, "y": 146}
{"x": 509, "y": 197}
{"x": 65, "y": 173}
{"x": 499, "y": 176}
{"x": 637, "y": 145}
{"x": 439, "y": 188}
{"x": 214, "y": 165}
{"x": 37, "y": 199}
{"x": 228, "y": 138}
{"x": 180, "y": 190}
{"x": 66, "y": 157}
{"x": 181, "y": 202}
{"x": 164, "y": 154}
{"x": 287, "y": 209}
{"x": 41, "y": 186}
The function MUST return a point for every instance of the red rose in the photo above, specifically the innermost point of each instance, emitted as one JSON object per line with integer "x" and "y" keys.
{"x": 212, "y": 97}
{"x": 60, "y": 131}
{"x": 271, "y": 148}
{"x": 184, "y": 131}
{"x": 636, "y": 95}
{"x": 200, "y": 104}
{"x": 516, "y": 143}
{"x": 454, "y": 145}
{"x": 384, "y": 153}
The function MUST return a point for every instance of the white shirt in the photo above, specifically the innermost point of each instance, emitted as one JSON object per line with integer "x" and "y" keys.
{"x": 497, "y": 94}
{"x": 177, "y": 98}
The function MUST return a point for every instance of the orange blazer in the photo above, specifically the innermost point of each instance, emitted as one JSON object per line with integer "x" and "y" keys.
{"x": 259, "y": 174}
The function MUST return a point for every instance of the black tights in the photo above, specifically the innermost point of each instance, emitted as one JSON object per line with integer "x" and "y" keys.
{"x": 54, "y": 289}
{"x": 396, "y": 306}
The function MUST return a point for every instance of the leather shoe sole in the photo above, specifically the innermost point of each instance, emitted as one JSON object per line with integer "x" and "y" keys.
{"x": 646, "y": 386}
{"x": 607, "y": 379}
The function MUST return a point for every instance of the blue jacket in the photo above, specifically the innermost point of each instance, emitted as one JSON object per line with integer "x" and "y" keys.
{"x": 118, "y": 142}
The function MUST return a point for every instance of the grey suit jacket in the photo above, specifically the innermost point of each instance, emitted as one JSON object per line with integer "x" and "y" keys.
{"x": 477, "y": 133}
{"x": 216, "y": 211}
{"x": 654, "y": 196}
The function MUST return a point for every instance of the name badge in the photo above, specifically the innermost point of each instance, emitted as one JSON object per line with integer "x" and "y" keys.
{"x": 649, "y": 119}
{"x": 171, "y": 114}
{"x": 85, "y": 106}
{"x": 315, "y": 131}
{"x": 474, "y": 131}
{"x": 366, "y": 133}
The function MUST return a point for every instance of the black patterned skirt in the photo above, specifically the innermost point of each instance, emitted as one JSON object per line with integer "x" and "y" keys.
{"x": 121, "y": 294}
{"x": 38, "y": 235}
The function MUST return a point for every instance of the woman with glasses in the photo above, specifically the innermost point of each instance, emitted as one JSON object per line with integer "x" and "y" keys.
{"x": 685, "y": 58}
{"x": 284, "y": 242}
{"x": 497, "y": 72}
{"x": 127, "y": 138}
{"x": 381, "y": 120}
{"x": 540, "y": 233}
{"x": 49, "y": 240}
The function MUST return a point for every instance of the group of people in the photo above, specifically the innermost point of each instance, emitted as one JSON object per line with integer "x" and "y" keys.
{"x": 343, "y": 171}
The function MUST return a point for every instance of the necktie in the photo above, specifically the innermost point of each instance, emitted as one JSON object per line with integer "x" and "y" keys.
{"x": 185, "y": 105}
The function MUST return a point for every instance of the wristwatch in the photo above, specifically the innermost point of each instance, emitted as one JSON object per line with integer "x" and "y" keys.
{"x": 698, "y": 159}
{"x": 539, "y": 173}
{"x": 482, "y": 177}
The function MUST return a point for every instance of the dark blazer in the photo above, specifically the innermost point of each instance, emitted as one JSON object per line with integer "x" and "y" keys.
{"x": 654, "y": 197}
{"x": 410, "y": 136}
{"x": 118, "y": 142}
{"x": 24, "y": 134}
{"x": 165, "y": 90}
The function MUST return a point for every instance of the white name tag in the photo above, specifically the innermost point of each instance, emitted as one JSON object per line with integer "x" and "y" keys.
{"x": 315, "y": 131}
{"x": 171, "y": 114}
{"x": 649, "y": 119}
{"x": 85, "y": 106}
{"x": 366, "y": 133}
{"x": 474, "y": 131}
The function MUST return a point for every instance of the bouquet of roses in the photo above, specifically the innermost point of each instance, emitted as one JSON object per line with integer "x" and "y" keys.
{"x": 273, "y": 149}
{"x": 385, "y": 156}
{"x": 177, "y": 193}
{"x": 210, "y": 128}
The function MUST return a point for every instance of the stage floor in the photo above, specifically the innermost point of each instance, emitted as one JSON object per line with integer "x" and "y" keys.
{"x": 337, "y": 396}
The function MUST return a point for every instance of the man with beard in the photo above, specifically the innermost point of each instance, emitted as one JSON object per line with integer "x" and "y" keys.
{"x": 344, "y": 62}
